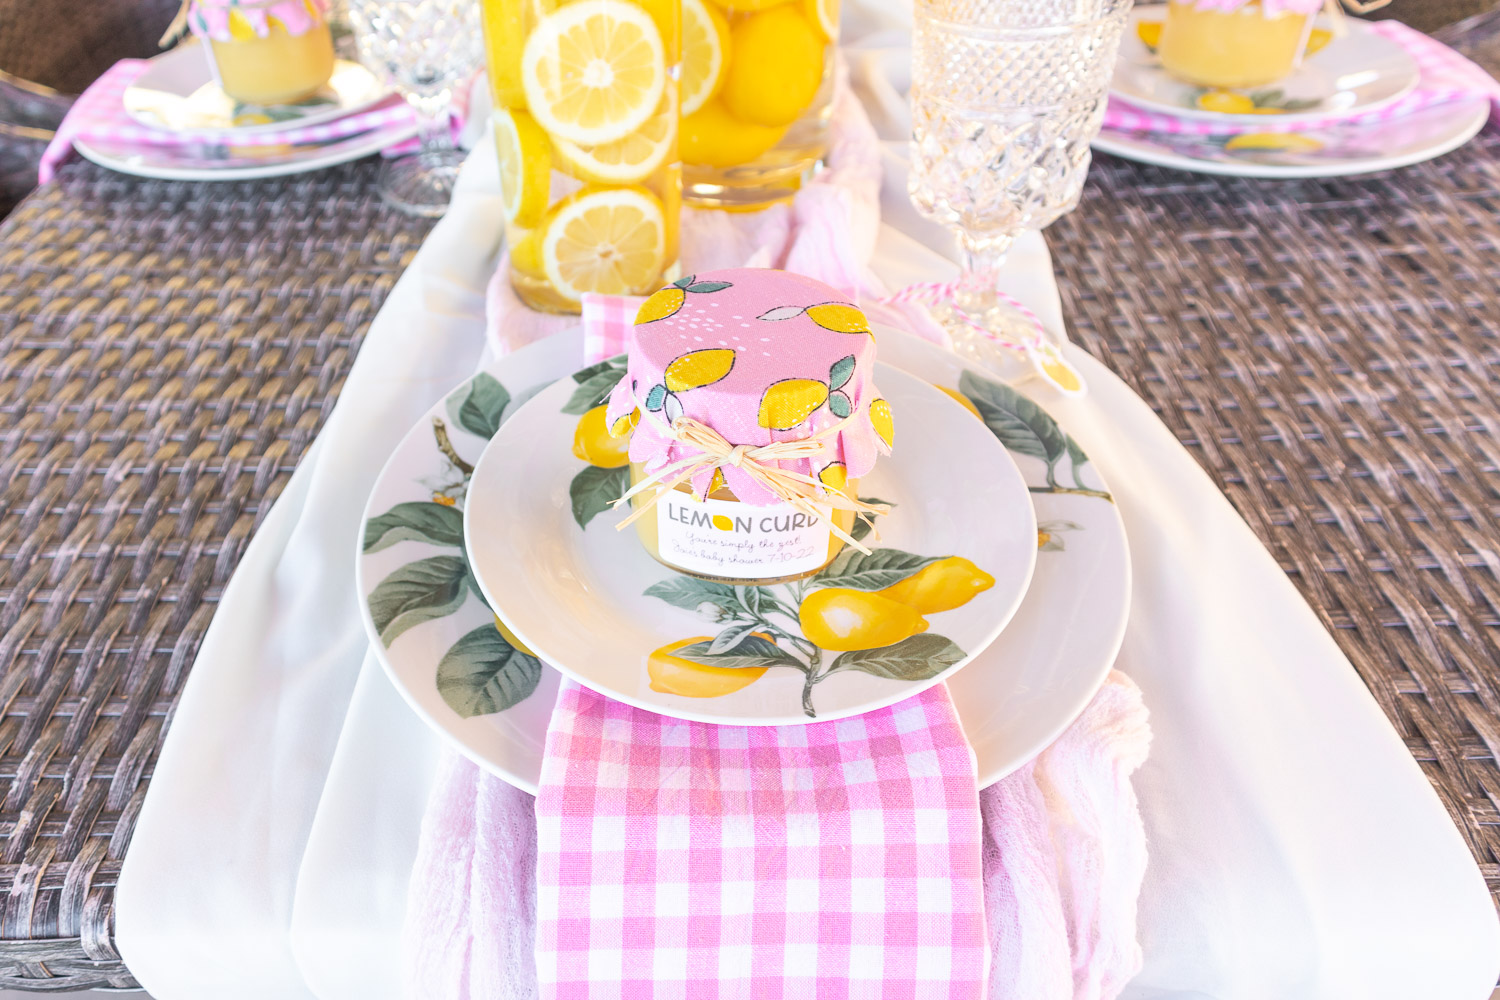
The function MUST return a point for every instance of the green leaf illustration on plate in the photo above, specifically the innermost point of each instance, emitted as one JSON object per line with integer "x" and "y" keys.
{"x": 478, "y": 405}
{"x": 749, "y": 651}
{"x": 1049, "y": 535}
{"x": 420, "y": 521}
{"x": 595, "y": 383}
{"x": 418, "y": 592}
{"x": 854, "y": 570}
{"x": 483, "y": 674}
{"x": 1027, "y": 429}
{"x": 692, "y": 594}
{"x": 864, "y": 525}
{"x": 594, "y": 490}
{"x": 916, "y": 658}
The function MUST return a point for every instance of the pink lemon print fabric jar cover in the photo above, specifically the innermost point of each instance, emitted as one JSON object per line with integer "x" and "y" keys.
{"x": 752, "y": 409}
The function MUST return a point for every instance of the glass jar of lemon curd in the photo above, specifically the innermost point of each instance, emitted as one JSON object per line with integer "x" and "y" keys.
{"x": 1235, "y": 43}
{"x": 266, "y": 52}
{"x": 758, "y": 358}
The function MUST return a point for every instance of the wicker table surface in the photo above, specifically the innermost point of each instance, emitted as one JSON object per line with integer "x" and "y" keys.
{"x": 168, "y": 351}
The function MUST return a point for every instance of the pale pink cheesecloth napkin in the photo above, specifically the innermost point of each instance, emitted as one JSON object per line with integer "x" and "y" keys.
{"x": 850, "y": 858}
{"x": 1446, "y": 77}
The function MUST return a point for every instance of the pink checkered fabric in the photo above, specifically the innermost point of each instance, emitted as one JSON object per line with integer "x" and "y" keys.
{"x": 606, "y": 320}
{"x": 682, "y": 859}
{"x": 1446, "y": 77}
{"x": 99, "y": 113}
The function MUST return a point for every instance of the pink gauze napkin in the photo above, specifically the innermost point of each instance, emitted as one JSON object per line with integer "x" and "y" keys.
{"x": 852, "y": 858}
{"x": 99, "y": 114}
{"x": 1446, "y": 76}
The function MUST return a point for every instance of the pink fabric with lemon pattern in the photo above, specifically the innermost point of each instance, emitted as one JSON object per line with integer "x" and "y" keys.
{"x": 759, "y": 356}
{"x": 211, "y": 18}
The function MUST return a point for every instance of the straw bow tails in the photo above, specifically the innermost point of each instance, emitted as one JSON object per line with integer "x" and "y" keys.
{"x": 760, "y": 463}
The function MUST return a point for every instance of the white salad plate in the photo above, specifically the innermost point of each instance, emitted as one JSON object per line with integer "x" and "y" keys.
{"x": 1333, "y": 151}
{"x": 437, "y": 639}
{"x": 589, "y": 599}
{"x": 1358, "y": 71}
{"x": 178, "y": 92}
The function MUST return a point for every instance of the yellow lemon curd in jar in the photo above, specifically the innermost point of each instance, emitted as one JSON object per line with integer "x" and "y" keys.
{"x": 275, "y": 69}
{"x": 646, "y": 530}
{"x": 1240, "y": 48}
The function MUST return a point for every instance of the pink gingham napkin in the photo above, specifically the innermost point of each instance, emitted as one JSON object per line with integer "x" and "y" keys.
{"x": 99, "y": 113}
{"x": 679, "y": 859}
{"x": 1446, "y": 76}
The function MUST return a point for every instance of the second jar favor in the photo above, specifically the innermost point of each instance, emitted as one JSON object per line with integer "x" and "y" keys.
{"x": 265, "y": 52}
{"x": 1235, "y": 43}
{"x": 757, "y": 93}
{"x": 752, "y": 413}
{"x": 586, "y": 124}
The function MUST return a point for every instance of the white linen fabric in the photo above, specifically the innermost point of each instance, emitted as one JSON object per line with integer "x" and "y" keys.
{"x": 205, "y": 897}
{"x": 1297, "y": 851}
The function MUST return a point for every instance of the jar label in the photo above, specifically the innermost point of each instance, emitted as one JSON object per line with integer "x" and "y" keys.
{"x": 732, "y": 539}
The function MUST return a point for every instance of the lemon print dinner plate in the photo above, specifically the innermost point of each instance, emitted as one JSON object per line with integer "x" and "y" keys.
{"x": 945, "y": 570}
{"x": 177, "y": 92}
{"x": 478, "y": 687}
{"x": 1355, "y": 71}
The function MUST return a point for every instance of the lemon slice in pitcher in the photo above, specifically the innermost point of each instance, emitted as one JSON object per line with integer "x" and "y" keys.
{"x": 525, "y": 167}
{"x": 594, "y": 71}
{"x": 705, "y": 53}
{"x": 627, "y": 160}
{"x": 612, "y": 241}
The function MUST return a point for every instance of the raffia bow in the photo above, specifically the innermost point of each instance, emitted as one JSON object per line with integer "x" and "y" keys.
{"x": 803, "y": 493}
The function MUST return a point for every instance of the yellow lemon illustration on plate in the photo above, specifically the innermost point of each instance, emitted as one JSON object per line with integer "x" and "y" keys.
{"x": 698, "y": 368}
{"x": 841, "y": 619}
{"x": 787, "y": 403}
{"x": 1317, "y": 39}
{"x": 838, "y": 317}
{"x": 625, "y": 424}
{"x": 958, "y": 398}
{"x": 1225, "y": 102}
{"x": 674, "y": 675}
{"x": 940, "y": 586}
{"x": 510, "y": 637}
{"x": 1149, "y": 32}
{"x": 594, "y": 444}
{"x": 883, "y": 422}
{"x": 1275, "y": 142}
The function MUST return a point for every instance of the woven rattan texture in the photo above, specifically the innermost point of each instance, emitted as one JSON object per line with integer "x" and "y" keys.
{"x": 1329, "y": 350}
{"x": 167, "y": 353}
